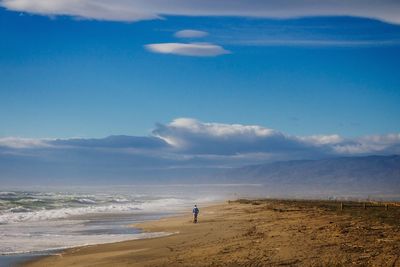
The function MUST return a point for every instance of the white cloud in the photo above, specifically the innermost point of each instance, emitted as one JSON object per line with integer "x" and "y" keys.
{"x": 389, "y": 143}
{"x": 322, "y": 139}
{"x": 190, "y": 34}
{"x": 185, "y": 139}
{"x": 187, "y": 133}
{"x": 314, "y": 42}
{"x": 134, "y": 10}
{"x": 16, "y": 142}
{"x": 88, "y": 9}
{"x": 220, "y": 129}
{"x": 195, "y": 137}
{"x": 192, "y": 49}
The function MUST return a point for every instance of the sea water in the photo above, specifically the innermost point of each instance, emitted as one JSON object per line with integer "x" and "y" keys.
{"x": 37, "y": 221}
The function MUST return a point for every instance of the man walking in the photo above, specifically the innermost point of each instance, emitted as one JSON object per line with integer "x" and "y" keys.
{"x": 195, "y": 213}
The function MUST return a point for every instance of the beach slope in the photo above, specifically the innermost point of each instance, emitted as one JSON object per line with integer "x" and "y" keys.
{"x": 255, "y": 233}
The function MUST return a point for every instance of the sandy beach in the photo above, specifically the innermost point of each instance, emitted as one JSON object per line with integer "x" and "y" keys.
{"x": 255, "y": 233}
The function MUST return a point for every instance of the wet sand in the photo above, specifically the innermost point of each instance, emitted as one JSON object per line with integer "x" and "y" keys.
{"x": 254, "y": 233}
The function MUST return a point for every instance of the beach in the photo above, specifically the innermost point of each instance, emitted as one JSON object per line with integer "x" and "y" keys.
{"x": 255, "y": 233}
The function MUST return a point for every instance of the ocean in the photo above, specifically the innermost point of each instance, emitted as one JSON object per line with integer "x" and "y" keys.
{"x": 41, "y": 221}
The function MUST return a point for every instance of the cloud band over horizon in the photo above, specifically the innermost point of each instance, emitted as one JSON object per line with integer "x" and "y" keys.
{"x": 186, "y": 137}
{"x": 185, "y": 148}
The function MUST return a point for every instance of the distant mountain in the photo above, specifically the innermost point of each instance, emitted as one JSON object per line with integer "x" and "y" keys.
{"x": 352, "y": 175}
{"x": 373, "y": 176}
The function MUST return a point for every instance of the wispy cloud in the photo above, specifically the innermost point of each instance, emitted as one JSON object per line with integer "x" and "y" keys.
{"x": 191, "y": 49}
{"x": 17, "y": 143}
{"x": 135, "y": 10}
{"x": 190, "y": 34}
{"x": 118, "y": 10}
{"x": 322, "y": 139}
{"x": 314, "y": 42}
{"x": 386, "y": 144}
{"x": 114, "y": 141}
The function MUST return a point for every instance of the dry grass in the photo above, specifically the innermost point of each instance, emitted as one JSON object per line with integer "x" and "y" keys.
{"x": 374, "y": 211}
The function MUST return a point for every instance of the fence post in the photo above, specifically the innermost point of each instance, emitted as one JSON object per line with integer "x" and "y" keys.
{"x": 341, "y": 205}
{"x": 365, "y": 205}
{"x": 386, "y": 206}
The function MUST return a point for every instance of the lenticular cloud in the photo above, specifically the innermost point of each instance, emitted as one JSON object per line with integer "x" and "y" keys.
{"x": 190, "y": 34}
{"x": 193, "y": 49}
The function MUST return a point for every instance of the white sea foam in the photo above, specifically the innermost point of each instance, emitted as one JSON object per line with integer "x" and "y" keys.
{"x": 14, "y": 215}
{"x": 23, "y": 230}
{"x": 18, "y": 209}
{"x": 32, "y": 221}
{"x": 8, "y": 194}
{"x": 16, "y": 244}
{"x": 86, "y": 201}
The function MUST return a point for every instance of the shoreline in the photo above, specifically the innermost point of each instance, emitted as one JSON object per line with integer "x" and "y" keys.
{"x": 145, "y": 227}
{"x": 263, "y": 232}
{"x": 21, "y": 258}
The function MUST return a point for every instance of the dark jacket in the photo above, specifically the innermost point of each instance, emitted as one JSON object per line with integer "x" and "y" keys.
{"x": 196, "y": 210}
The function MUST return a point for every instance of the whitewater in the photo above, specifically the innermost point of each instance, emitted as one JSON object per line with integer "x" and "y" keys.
{"x": 45, "y": 220}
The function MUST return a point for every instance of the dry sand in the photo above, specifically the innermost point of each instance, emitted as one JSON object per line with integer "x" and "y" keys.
{"x": 261, "y": 233}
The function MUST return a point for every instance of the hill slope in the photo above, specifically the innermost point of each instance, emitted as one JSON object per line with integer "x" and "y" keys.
{"x": 372, "y": 174}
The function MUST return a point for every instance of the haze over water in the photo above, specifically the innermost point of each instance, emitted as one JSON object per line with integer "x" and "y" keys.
{"x": 49, "y": 219}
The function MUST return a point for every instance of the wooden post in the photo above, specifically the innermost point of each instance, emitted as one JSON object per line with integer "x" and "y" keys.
{"x": 386, "y": 206}
{"x": 365, "y": 206}
{"x": 341, "y": 205}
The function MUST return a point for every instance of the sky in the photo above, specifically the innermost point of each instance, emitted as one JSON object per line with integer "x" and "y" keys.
{"x": 322, "y": 76}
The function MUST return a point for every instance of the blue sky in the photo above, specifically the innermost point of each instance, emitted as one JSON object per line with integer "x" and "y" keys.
{"x": 125, "y": 88}
{"x": 68, "y": 77}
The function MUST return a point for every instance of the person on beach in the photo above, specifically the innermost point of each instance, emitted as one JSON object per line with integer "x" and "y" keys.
{"x": 195, "y": 213}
